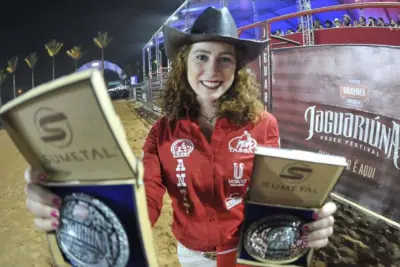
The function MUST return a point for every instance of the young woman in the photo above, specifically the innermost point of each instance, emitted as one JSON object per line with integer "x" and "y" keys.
{"x": 201, "y": 151}
{"x": 346, "y": 20}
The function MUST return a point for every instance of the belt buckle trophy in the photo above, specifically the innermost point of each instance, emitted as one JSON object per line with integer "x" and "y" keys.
{"x": 286, "y": 188}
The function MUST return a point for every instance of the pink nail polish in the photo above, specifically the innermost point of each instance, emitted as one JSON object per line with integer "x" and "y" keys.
{"x": 305, "y": 228}
{"x": 42, "y": 177}
{"x": 305, "y": 244}
{"x": 54, "y": 225}
{"x": 54, "y": 214}
{"x": 57, "y": 202}
{"x": 315, "y": 216}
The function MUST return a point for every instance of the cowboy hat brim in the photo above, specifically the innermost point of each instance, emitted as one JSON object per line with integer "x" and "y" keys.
{"x": 175, "y": 39}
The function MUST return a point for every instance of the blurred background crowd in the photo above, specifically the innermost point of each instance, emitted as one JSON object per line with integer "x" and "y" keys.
{"x": 346, "y": 21}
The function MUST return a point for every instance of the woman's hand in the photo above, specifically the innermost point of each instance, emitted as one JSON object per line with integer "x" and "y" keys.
{"x": 316, "y": 233}
{"x": 41, "y": 202}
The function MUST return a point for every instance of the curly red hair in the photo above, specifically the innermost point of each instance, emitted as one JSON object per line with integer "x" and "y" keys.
{"x": 240, "y": 104}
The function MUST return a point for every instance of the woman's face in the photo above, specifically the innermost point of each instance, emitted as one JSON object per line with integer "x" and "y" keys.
{"x": 211, "y": 69}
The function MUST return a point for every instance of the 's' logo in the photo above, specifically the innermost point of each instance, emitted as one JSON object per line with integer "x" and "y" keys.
{"x": 53, "y": 127}
{"x": 242, "y": 144}
{"x": 296, "y": 173}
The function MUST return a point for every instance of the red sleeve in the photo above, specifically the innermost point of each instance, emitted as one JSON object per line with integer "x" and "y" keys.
{"x": 272, "y": 132}
{"x": 154, "y": 186}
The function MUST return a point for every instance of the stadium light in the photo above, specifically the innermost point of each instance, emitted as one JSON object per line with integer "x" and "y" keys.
{"x": 174, "y": 18}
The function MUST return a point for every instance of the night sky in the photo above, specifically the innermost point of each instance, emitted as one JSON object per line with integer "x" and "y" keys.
{"x": 26, "y": 26}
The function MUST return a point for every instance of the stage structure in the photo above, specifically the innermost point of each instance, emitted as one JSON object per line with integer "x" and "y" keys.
{"x": 346, "y": 109}
{"x": 107, "y": 65}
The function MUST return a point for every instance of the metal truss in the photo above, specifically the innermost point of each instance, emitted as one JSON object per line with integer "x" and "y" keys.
{"x": 306, "y": 22}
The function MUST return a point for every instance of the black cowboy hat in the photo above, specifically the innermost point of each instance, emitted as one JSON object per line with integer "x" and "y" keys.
{"x": 212, "y": 25}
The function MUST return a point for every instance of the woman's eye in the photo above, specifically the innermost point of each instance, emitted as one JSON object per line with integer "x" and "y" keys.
{"x": 225, "y": 59}
{"x": 202, "y": 57}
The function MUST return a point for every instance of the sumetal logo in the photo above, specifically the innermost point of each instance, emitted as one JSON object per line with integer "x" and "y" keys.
{"x": 296, "y": 172}
{"x": 53, "y": 127}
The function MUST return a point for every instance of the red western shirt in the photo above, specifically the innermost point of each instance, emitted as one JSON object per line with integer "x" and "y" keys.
{"x": 206, "y": 181}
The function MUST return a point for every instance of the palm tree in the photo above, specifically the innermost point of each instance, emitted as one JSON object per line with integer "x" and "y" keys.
{"x": 31, "y": 62}
{"x": 11, "y": 69}
{"x": 3, "y": 77}
{"x": 101, "y": 41}
{"x": 76, "y": 54}
{"x": 53, "y": 47}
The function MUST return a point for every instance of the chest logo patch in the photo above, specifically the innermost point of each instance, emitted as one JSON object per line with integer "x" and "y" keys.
{"x": 182, "y": 148}
{"x": 233, "y": 200}
{"x": 242, "y": 144}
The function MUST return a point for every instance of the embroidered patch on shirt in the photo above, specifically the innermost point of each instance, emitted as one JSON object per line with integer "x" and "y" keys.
{"x": 242, "y": 144}
{"x": 182, "y": 148}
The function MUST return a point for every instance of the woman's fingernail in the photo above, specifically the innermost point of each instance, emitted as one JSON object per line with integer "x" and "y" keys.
{"x": 305, "y": 244}
{"x": 315, "y": 216}
{"x": 305, "y": 228}
{"x": 304, "y": 237}
{"x": 57, "y": 202}
{"x": 54, "y": 214}
{"x": 54, "y": 225}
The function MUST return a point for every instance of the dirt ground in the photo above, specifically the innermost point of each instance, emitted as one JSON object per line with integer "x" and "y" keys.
{"x": 358, "y": 240}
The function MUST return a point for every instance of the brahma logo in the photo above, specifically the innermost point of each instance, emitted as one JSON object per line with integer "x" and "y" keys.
{"x": 354, "y": 92}
{"x": 242, "y": 144}
{"x": 182, "y": 148}
{"x": 233, "y": 200}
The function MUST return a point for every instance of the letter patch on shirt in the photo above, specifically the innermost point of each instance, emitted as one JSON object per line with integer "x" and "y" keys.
{"x": 181, "y": 184}
{"x": 242, "y": 144}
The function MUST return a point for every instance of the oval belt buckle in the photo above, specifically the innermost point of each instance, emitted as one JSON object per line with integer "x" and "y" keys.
{"x": 90, "y": 234}
{"x": 275, "y": 239}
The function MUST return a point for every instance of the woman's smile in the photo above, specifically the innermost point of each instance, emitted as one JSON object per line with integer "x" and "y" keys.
{"x": 211, "y": 85}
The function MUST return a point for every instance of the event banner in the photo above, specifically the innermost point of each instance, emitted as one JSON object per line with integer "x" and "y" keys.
{"x": 264, "y": 60}
{"x": 259, "y": 68}
{"x": 343, "y": 100}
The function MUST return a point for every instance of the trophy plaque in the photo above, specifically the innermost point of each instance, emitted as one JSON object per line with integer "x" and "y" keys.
{"x": 69, "y": 129}
{"x": 286, "y": 188}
